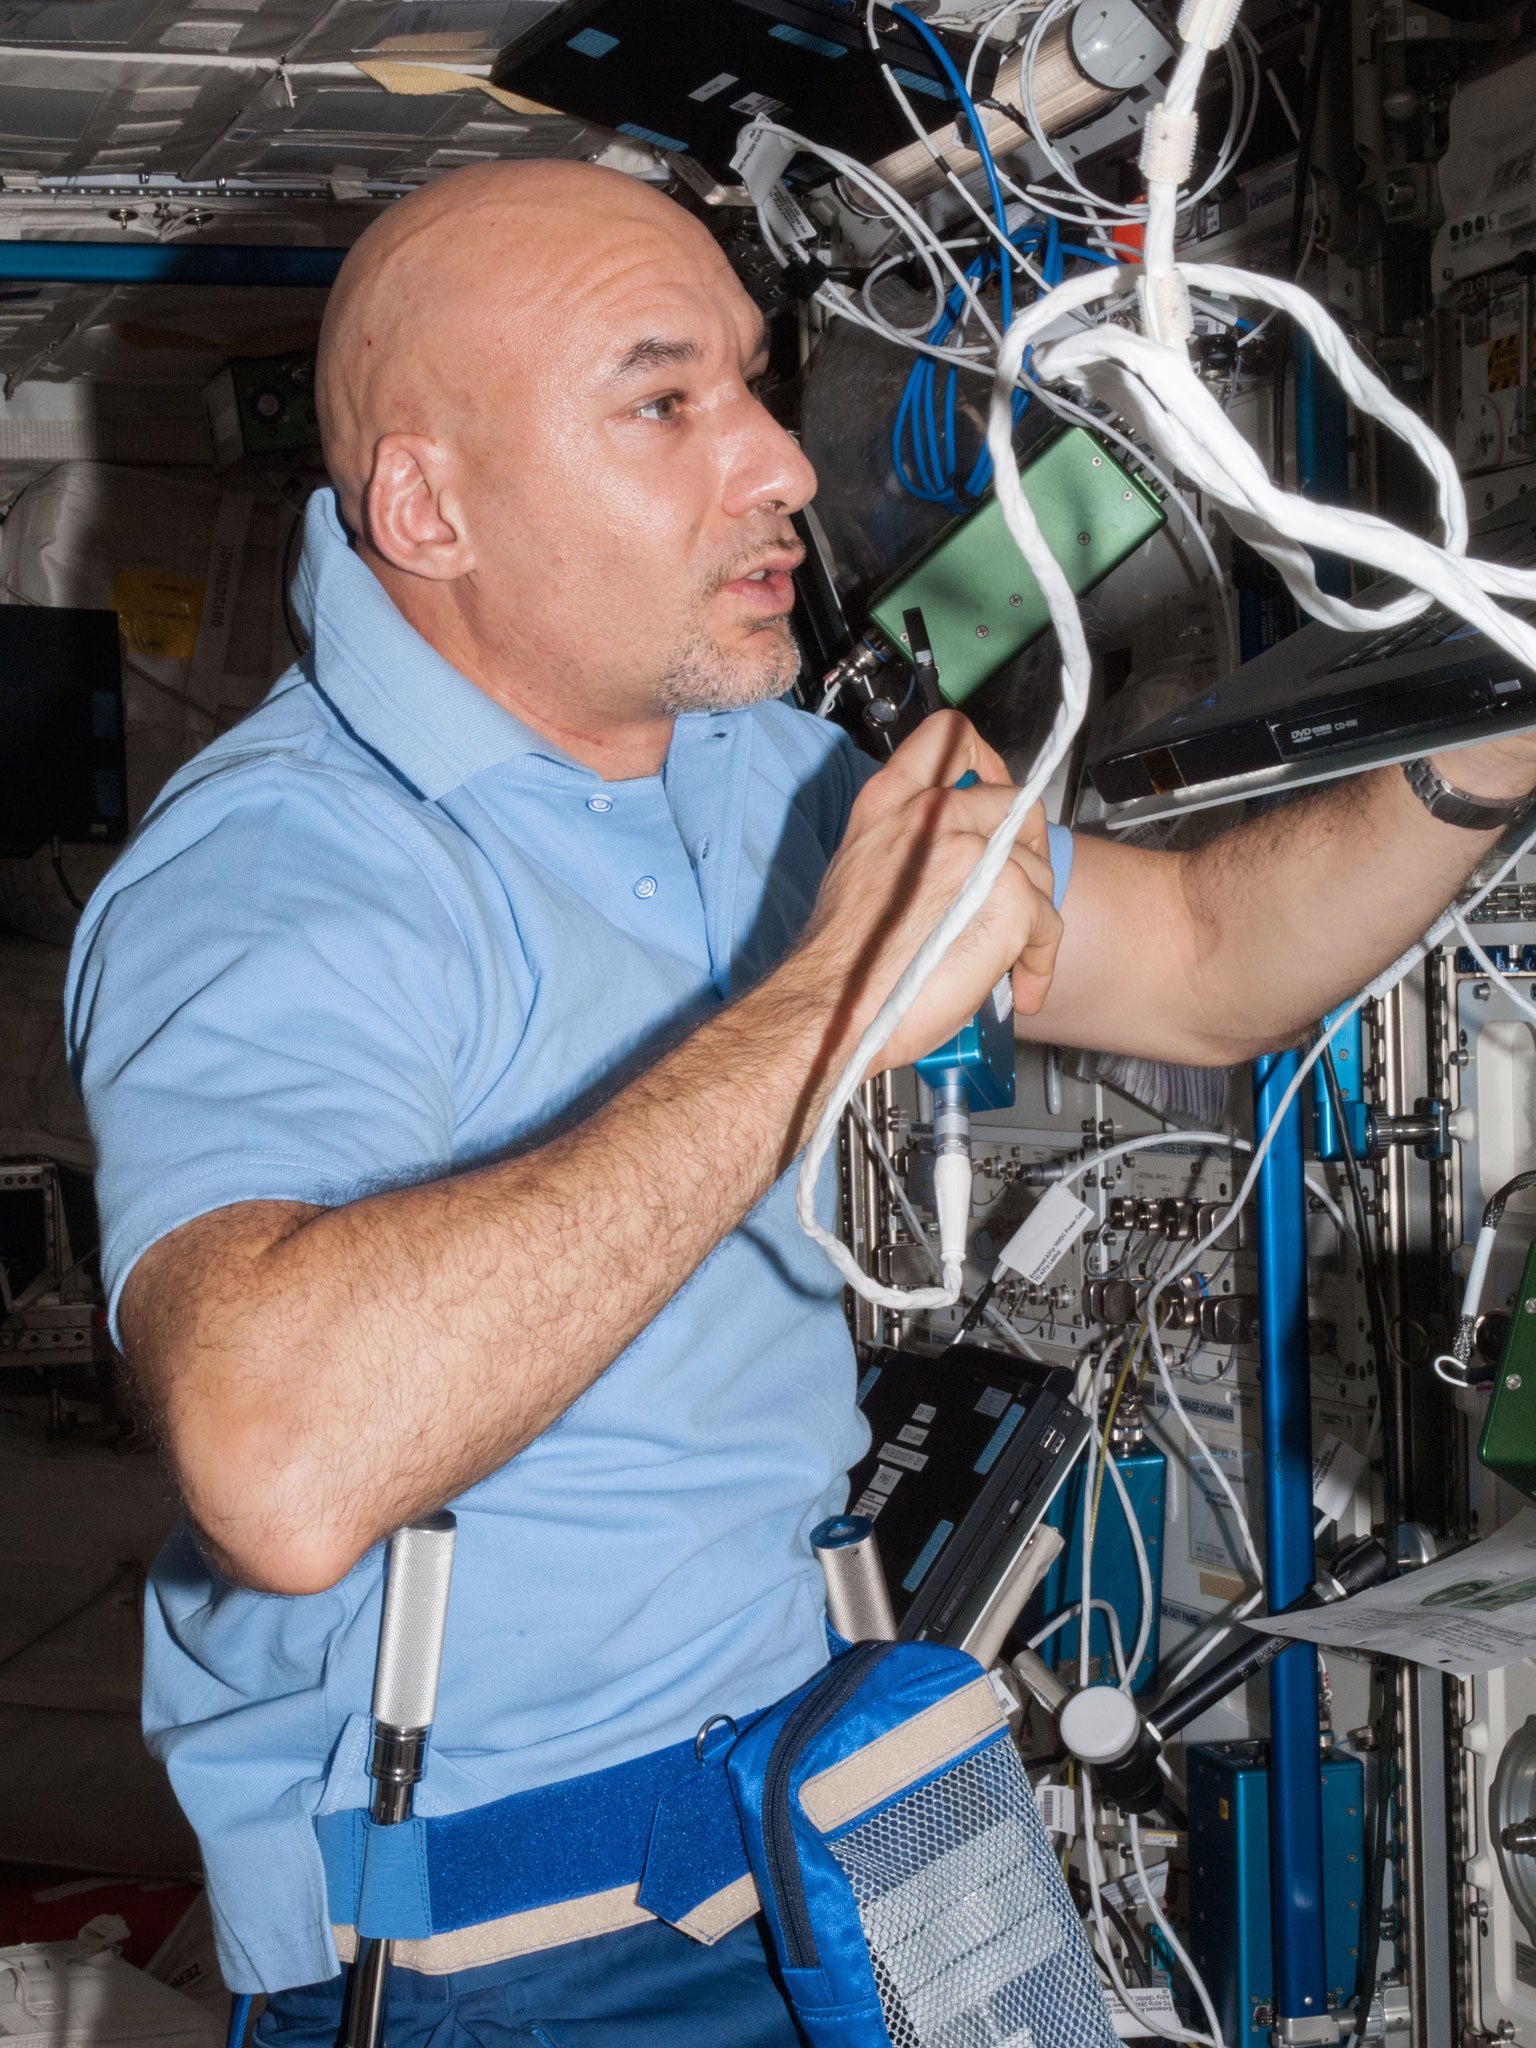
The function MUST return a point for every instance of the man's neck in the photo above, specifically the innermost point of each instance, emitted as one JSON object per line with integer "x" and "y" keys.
{"x": 620, "y": 749}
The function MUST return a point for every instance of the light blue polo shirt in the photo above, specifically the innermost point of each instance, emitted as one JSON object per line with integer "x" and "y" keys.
{"x": 380, "y": 932}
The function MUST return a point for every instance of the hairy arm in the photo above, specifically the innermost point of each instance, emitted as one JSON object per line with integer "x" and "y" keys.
{"x": 323, "y": 1374}
{"x": 1210, "y": 956}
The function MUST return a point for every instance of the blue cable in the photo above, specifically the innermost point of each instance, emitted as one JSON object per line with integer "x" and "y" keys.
{"x": 924, "y": 435}
{"x": 239, "y": 2020}
{"x": 978, "y": 136}
{"x": 932, "y": 474}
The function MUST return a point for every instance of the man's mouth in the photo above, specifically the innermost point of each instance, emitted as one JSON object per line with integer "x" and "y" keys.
{"x": 768, "y": 590}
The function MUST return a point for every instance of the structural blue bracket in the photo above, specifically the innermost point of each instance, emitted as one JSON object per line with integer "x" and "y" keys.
{"x": 1359, "y": 1124}
{"x": 1295, "y": 1773}
{"x": 126, "y": 262}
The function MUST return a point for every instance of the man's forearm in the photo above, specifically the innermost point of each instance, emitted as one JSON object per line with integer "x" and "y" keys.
{"x": 1301, "y": 906}
{"x": 1210, "y": 955}
{"x": 356, "y": 1366}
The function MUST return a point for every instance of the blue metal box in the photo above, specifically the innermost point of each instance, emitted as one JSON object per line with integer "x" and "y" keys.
{"x": 1115, "y": 1578}
{"x": 1229, "y": 1900}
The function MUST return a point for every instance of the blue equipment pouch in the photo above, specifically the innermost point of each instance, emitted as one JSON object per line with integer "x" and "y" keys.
{"x": 902, "y": 1864}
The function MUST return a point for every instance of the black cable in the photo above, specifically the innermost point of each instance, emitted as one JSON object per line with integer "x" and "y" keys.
{"x": 976, "y": 1311}
{"x": 130, "y": 1568}
{"x": 58, "y": 869}
{"x": 1385, "y": 1728}
{"x": 1376, "y": 1310}
{"x": 1129, "y": 1934}
{"x": 1493, "y": 1211}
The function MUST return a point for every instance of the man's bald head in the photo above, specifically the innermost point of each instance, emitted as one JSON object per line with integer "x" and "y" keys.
{"x": 476, "y": 261}
{"x": 536, "y": 394}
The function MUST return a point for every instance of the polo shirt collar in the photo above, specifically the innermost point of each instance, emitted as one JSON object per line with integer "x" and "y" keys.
{"x": 397, "y": 693}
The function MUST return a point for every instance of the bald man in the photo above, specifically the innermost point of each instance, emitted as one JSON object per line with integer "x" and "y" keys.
{"x": 448, "y": 1033}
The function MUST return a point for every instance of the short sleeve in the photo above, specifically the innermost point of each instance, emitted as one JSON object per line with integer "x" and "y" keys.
{"x": 265, "y": 1003}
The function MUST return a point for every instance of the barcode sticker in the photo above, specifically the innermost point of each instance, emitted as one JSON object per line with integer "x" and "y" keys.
{"x": 1058, "y": 1808}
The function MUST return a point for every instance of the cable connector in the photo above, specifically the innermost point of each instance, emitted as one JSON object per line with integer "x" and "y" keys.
{"x": 1168, "y": 146}
{"x": 1165, "y": 309}
{"x": 805, "y": 276}
{"x": 1208, "y": 22}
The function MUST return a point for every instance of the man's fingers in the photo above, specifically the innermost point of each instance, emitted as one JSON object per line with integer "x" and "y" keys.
{"x": 943, "y": 748}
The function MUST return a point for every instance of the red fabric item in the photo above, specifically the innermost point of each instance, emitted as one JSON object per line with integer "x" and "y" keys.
{"x": 58, "y": 1910}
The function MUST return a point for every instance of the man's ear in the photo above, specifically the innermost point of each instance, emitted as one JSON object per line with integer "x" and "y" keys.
{"x": 412, "y": 514}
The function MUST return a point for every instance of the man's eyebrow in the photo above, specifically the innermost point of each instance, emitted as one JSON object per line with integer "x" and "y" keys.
{"x": 656, "y": 351}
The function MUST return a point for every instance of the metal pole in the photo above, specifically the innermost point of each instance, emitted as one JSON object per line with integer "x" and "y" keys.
{"x": 1295, "y": 1774}
{"x": 415, "y": 1610}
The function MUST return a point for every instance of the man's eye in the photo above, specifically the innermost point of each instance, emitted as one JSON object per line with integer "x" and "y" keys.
{"x": 661, "y": 409}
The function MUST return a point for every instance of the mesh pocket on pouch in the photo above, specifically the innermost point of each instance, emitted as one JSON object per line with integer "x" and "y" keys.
{"x": 972, "y": 1932}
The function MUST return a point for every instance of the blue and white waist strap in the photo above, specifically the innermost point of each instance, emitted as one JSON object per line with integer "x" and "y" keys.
{"x": 654, "y": 1838}
{"x": 657, "y": 1838}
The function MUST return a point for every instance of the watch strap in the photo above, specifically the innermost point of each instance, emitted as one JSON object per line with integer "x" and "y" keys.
{"x": 1454, "y": 806}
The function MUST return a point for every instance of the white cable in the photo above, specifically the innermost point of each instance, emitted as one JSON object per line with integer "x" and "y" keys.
{"x": 1177, "y": 1947}
{"x": 1075, "y": 672}
{"x": 1090, "y": 1524}
{"x": 1148, "y": 379}
{"x": 1143, "y": 1576}
{"x": 914, "y": 1223}
{"x": 1096, "y": 1880}
{"x": 1107, "y": 1608}
{"x": 1211, "y": 1642}
{"x": 1496, "y": 975}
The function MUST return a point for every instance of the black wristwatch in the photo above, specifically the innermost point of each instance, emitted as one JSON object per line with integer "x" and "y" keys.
{"x": 1454, "y": 806}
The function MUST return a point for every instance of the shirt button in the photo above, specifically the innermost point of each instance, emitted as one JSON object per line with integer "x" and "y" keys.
{"x": 599, "y": 803}
{"x": 646, "y": 886}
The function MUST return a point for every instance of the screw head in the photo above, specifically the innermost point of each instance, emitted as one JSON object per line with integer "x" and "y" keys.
{"x": 1098, "y": 462}
{"x": 982, "y": 632}
{"x": 1083, "y": 539}
{"x": 1512, "y": 1381}
{"x": 1016, "y": 598}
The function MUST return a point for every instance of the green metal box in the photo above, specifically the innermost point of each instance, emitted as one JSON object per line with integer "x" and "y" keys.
{"x": 1508, "y": 1445}
{"x": 980, "y": 603}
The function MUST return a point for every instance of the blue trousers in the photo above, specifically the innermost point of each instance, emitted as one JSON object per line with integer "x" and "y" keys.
{"x": 644, "y": 1987}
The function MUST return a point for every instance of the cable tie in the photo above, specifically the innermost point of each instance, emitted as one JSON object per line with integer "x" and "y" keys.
{"x": 1168, "y": 146}
{"x": 1165, "y": 309}
{"x": 1208, "y": 22}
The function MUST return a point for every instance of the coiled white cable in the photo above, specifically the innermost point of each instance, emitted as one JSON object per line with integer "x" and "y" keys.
{"x": 1075, "y": 671}
{"x": 1149, "y": 380}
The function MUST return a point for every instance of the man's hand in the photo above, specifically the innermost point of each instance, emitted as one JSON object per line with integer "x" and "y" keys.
{"x": 912, "y": 840}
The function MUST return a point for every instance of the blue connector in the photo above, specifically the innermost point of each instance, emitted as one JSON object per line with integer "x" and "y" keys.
{"x": 982, "y": 1054}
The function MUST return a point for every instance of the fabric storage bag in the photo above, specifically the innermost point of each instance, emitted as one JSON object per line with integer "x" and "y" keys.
{"x": 903, "y": 1866}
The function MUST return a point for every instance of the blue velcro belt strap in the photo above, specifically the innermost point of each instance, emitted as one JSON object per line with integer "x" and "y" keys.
{"x": 664, "y": 1822}
{"x": 696, "y": 1848}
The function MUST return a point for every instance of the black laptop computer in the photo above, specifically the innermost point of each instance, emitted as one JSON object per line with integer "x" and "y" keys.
{"x": 1324, "y": 703}
{"x": 969, "y": 1449}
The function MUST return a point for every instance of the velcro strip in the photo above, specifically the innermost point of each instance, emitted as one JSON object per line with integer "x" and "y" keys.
{"x": 901, "y": 1756}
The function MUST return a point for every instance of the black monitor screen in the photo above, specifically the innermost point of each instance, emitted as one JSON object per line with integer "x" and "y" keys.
{"x": 61, "y": 728}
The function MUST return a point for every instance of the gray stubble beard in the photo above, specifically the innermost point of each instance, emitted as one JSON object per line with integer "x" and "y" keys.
{"x": 704, "y": 678}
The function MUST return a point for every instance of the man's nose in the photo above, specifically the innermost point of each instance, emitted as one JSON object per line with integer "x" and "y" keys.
{"x": 768, "y": 471}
